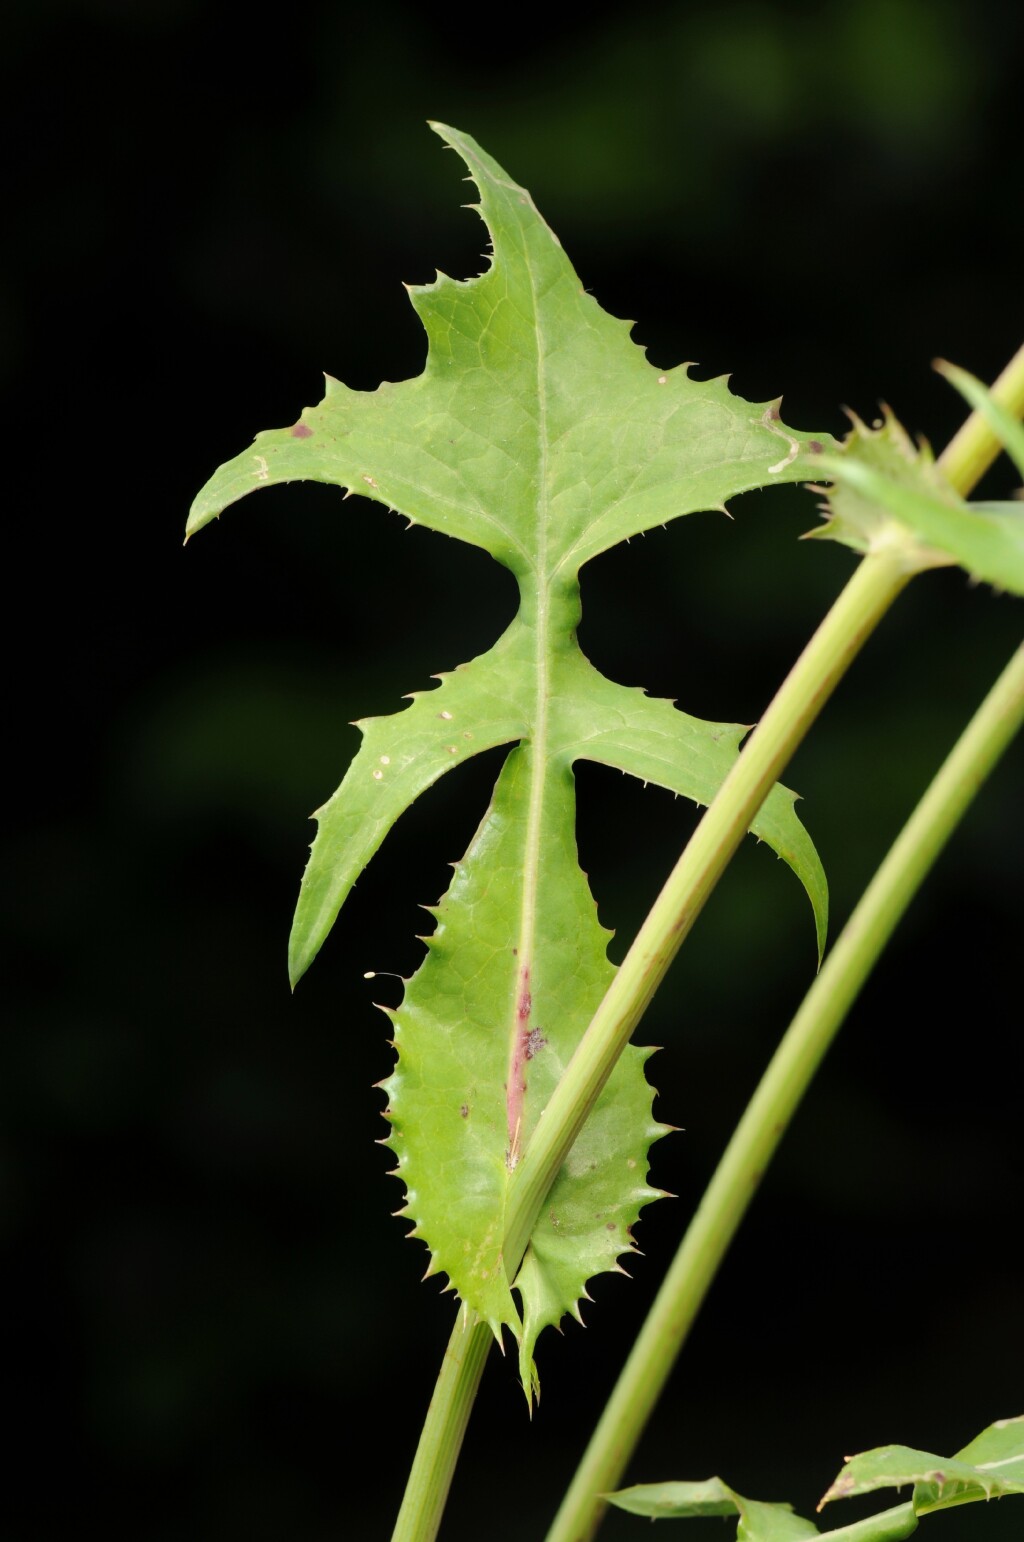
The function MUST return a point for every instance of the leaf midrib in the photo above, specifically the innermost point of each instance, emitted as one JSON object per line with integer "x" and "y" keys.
{"x": 537, "y": 749}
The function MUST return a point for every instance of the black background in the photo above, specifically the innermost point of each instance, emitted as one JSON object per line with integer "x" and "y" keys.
{"x": 216, "y": 1328}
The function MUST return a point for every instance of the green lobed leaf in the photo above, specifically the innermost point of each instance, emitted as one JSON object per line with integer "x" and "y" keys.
{"x": 988, "y": 1467}
{"x": 539, "y": 432}
{"x": 890, "y": 493}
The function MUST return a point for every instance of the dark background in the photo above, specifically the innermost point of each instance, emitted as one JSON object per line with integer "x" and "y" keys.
{"x": 216, "y": 1330}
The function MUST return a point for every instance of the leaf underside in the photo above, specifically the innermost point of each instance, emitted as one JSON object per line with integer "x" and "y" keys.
{"x": 539, "y": 432}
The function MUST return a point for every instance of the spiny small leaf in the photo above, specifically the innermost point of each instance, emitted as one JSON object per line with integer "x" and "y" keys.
{"x": 539, "y": 432}
{"x": 991, "y": 1465}
{"x": 890, "y": 493}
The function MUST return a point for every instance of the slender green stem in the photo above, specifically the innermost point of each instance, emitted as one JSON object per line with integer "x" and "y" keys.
{"x": 430, "y": 1478}
{"x": 778, "y": 1095}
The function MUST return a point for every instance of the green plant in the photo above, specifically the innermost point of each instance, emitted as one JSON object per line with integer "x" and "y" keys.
{"x": 520, "y": 1114}
{"x": 990, "y": 1466}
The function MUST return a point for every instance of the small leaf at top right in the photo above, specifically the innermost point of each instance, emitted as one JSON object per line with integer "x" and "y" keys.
{"x": 889, "y": 493}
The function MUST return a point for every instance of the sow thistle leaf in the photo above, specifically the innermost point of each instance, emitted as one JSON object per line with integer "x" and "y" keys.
{"x": 890, "y": 492}
{"x": 539, "y": 432}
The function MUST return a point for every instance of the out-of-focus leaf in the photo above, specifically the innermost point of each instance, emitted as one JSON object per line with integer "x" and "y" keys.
{"x": 888, "y": 493}
{"x": 758, "y": 1522}
{"x": 990, "y": 1466}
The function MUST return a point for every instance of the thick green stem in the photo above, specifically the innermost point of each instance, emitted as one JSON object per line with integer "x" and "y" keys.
{"x": 445, "y": 1425}
{"x": 778, "y": 1095}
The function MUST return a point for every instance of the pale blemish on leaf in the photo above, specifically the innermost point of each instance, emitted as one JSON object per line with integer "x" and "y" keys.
{"x": 772, "y": 422}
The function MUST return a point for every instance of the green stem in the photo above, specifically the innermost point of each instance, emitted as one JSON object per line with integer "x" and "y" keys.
{"x": 778, "y": 1095}
{"x": 430, "y": 1478}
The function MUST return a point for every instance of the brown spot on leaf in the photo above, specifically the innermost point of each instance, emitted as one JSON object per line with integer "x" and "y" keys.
{"x": 609, "y": 1226}
{"x": 464, "y": 1110}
